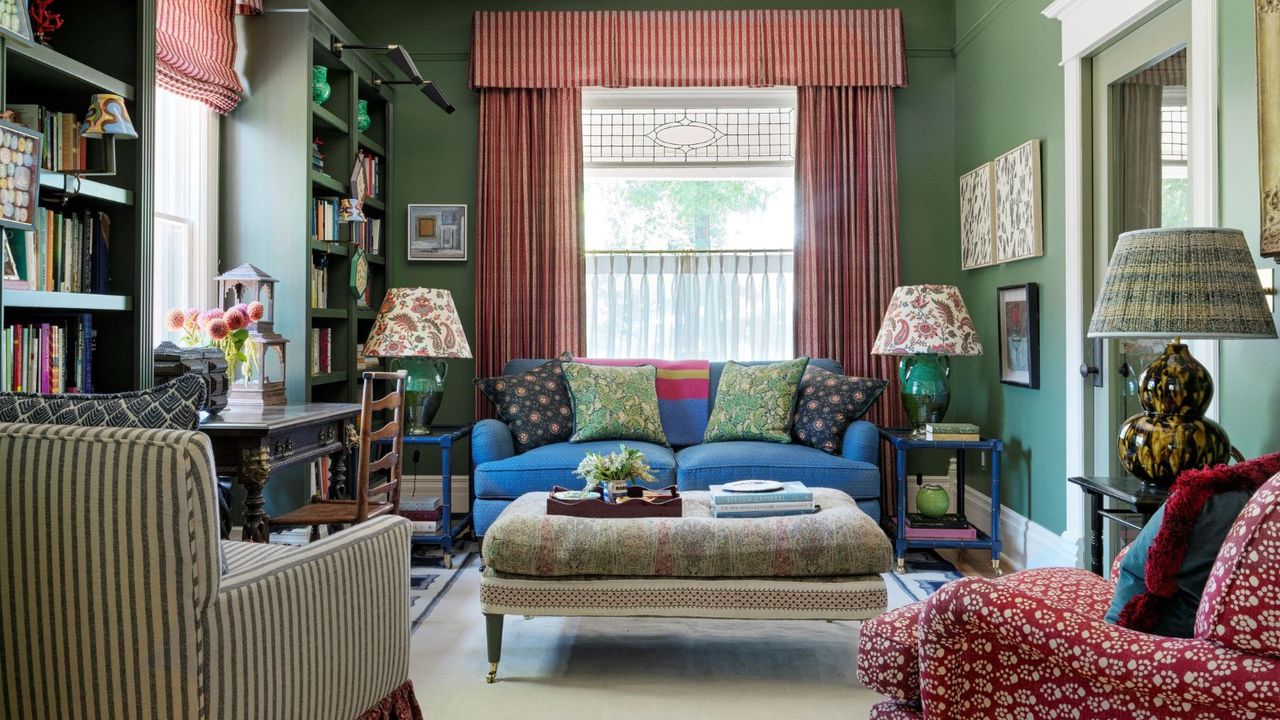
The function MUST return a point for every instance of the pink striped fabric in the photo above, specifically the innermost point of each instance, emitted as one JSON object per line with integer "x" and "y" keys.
{"x": 683, "y": 48}
{"x": 196, "y": 50}
{"x": 529, "y": 263}
{"x": 249, "y": 7}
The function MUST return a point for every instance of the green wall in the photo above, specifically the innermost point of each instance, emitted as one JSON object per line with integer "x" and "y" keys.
{"x": 435, "y": 154}
{"x": 1248, "y": 381}
{"x": 1009, "y": 90}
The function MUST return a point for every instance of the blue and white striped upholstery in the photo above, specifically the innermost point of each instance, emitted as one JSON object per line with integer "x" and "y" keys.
{"x": 112, "y": 603}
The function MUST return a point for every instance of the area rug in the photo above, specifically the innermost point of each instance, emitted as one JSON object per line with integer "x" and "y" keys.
{"x": 926, "y": 571}
{"x": 430, "y": 580}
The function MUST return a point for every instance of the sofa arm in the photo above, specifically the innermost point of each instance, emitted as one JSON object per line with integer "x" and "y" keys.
{"x": 862, "y": 443}
{"x": 491, "y": 440}
{"x": 319, "y": 633}
{"x": 988, "y": 645}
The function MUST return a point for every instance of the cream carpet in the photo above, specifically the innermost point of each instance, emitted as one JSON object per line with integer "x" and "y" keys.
{"x": 603, "y": 668}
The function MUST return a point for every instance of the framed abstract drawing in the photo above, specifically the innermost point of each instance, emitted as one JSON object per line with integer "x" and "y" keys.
{"x": 977, "y": 217}
{"x": 19, "y": 176}
{"x": 1018, "y": 319}
{"x": 1018, "y": 213}
{"x": 15, "y": 22}
{"x": 438, "y": 232}
{"x": 1268, "y": 49}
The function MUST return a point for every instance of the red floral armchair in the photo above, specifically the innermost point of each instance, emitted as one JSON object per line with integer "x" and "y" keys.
{"x": 1034, "y": 644}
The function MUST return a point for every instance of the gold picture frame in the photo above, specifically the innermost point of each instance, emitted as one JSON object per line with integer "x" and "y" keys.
{"x": 1267, "y": 14}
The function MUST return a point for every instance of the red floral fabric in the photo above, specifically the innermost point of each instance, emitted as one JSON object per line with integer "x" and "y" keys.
{"x": 399, "y": 704}
{"x": 1240, "y": 607}
{"x": 894, "y": 710}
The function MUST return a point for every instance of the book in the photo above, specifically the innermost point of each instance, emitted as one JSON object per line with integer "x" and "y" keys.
{"x": 424, "y": 527}
{"x": 719, "y": 513}
{"x": 942, "y": 427}
{"x": 951, "y": 437}
{"x": 950, "y": 521}
{"x": 947, "y": 527}
{"x": 762, "y": 507}
{"x": 792, "y": 491}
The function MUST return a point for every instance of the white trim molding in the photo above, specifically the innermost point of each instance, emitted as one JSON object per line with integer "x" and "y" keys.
{"x": 1090, "y": 25}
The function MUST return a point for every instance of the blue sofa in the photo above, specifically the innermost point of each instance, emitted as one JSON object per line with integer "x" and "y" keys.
{"x": 501, "y": 475}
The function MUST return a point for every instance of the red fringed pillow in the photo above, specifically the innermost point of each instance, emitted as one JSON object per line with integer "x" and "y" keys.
{"x": 1164, "y": 563}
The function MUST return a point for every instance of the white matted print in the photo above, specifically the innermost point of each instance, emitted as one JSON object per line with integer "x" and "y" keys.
{"x": 977, "y": 218}
{"x": 1018, "y": 219}
{"x": 437, "y": 232}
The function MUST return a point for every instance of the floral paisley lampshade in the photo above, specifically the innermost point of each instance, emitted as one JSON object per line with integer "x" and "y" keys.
{"x": 925, "y": 324}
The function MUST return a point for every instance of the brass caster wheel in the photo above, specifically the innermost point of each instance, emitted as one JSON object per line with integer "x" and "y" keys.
{"x": 448, "y": 562}
{"x": 493, "y": 674}
{"x": 995, "y": 565}
{"x": 902, "y": 565}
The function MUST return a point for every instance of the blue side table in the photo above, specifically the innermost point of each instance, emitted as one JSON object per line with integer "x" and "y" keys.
{"x": 901, "y": 441}
{"x": 450, "y": 527}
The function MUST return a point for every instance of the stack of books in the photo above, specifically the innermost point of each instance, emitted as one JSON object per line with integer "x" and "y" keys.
{"x": 61, "y": 145}
{"x": 948, "y": 527}
{"x": 67, "y": 252}
{"x": 320, "y": 281}
{"x": 368, "y": 235}
{"x": 55, "y": 356}
{"x": 326, "y": 219}
{"x": 321, "y": 351}
{"x": 370, "y": 166}
{"x": 424, "y": 512}
{"x": 951, "y": 431}
{"x": 793, "y": 499}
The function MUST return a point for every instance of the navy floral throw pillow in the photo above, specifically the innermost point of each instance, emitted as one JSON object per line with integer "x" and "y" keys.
{"x": 535, "y": 404}
{"x": 828, "y": 403}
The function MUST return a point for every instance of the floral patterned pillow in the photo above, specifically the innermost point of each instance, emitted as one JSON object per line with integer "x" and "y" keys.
{"x": 755, "y": 402}
{"x": 535, "y": 404}
{"x": 828, "y": 403}
{"x": 614, "y": 403}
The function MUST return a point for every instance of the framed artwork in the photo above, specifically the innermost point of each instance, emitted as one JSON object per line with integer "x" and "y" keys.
{"x": 19, "y": 176}
{"x": 438, "y": 232}
{"x": 1018, "y": 318}
{"x": 15, "y": 21}
{"x": 977, "y": 217}
{"x": 1018, "y": 213}
{"x": 1268, "y": 40}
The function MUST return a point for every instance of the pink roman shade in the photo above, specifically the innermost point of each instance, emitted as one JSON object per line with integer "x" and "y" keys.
{"x": 679, "y": 48}
{"x": 196, "y": 50}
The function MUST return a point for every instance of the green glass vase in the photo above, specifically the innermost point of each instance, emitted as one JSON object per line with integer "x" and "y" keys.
{"x": 932, "y": 500}
{"x": 925, "y": 389}
{"x": 363, "y": 121}
{"x": 320, "y": 89}
{"x": 423, "y": 391}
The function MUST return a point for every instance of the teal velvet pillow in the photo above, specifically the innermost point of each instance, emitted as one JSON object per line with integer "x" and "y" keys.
{"x": 755, "y": 402}
{"x": 614, "y": 403}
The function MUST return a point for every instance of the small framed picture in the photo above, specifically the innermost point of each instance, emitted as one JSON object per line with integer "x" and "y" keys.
{"x": 19, "y": 176}
{"x": 438, "y": 232}
{"x": 1018, "y": 308}
{"x": 15, "y": 22}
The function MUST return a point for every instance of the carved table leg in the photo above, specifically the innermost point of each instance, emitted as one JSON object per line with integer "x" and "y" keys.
{"x": 338, "y": 471}
{"x": 255, "y": 468}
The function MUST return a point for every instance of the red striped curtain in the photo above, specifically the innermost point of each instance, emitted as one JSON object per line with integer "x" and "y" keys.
{"x": 196, "y": 51}
{"x": 847, "y": 230}
{"x": 530, "y": 267}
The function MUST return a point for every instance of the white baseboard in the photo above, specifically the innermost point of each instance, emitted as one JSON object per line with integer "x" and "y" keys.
{"x": 1024, "y": 544}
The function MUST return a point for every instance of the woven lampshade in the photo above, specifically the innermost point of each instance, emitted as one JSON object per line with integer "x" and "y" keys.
{"x": 1187, "y": 282}
{"x": 927, "y": 319}
{"x": 417, "y": 322}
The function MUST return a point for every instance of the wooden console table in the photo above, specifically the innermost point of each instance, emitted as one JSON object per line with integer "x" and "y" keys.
{"x": 1138, "y": 501}
{"x": 249, "y": 444}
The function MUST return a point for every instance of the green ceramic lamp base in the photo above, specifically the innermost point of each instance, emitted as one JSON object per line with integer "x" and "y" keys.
{"x": 424, "y": 389}
{"x": 926, "y": 392}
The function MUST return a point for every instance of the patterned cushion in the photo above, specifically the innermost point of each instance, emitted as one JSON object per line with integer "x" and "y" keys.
{"x": 837, "y": 541}
{"x": 827, "y": 403}
{"x": 614, "y": 403}
{"x": 535, "y": 404}
{"x": 174, "y": 405}
{"x": 755, "y": 402}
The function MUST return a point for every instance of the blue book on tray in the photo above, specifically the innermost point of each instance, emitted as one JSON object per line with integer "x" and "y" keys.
{"x": 792, "y": 491}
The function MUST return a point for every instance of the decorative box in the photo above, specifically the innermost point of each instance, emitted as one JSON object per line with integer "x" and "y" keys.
{"x": 637, "y": 503}
{"x": 209, "y": 363}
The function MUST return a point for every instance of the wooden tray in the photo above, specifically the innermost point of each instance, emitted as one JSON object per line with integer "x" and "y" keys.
{"x": 639, "y": 503}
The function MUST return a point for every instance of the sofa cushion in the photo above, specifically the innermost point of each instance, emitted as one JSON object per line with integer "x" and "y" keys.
{"x": 755, "y": 402}
{"x": 174, "y": 405}
{"x": 534, "y": 403}
{"x": 541, "y": 468}
{"x": 838, "y": 541}
{"x": 827, "y": 403}
{"x": 701, "y": 466}
{"x": 614, "y": 403}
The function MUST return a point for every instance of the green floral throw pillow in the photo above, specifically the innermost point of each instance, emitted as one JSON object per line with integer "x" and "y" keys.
{"x": 614, "y": 403}
{"x": 754, "y": 402}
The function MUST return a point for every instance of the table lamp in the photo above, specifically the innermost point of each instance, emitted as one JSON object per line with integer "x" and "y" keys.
{"x": 925, "y": 324}
{"x": 1180, "y": 283}
{"x": 420, "y": 329}
{"x": 106, "y": 119}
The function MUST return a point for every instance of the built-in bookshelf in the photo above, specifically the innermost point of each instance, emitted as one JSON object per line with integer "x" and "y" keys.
{"x": 79, "y": 318}
{"x": 302, "y": 155}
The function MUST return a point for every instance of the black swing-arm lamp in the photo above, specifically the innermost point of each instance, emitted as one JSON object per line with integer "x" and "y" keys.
{"x": 400, "y": 58}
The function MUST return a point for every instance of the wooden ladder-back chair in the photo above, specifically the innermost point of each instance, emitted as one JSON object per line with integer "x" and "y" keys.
{"x": 335, "y": 512}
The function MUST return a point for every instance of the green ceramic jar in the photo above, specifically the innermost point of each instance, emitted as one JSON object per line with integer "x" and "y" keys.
{"x": 363, "y": 121}
{"x": 932, "y": 500}
{"x": 320, "y": 89}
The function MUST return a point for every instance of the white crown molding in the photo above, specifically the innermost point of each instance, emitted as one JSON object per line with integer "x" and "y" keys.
{"x": 1089, "y": 25}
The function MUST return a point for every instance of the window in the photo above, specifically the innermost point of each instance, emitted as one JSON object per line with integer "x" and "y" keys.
{"x": 690, "y": 230}
{"x": 186, "y": 205}
{"x": 1175, "y": 200}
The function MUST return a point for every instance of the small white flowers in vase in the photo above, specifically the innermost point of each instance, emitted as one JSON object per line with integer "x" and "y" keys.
{"x": 627, "y": 466}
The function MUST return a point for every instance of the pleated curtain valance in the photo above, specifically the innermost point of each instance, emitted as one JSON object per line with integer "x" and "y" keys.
{"x": 688, "y": 48}
{"x": 196, "y": 50}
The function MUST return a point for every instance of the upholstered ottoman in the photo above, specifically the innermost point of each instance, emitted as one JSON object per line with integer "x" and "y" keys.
{"x": 824, "y": 566}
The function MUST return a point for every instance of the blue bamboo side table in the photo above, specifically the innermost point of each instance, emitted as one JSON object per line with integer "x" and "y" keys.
{"x": 902, "y": 442}
{"x": 451, "y": 528}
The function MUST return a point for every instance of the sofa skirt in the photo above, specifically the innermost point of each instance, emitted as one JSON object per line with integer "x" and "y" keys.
{"x": 399, "y": 704}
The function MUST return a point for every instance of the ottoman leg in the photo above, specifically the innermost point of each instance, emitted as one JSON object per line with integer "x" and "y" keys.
{"x": 493, "y": 633}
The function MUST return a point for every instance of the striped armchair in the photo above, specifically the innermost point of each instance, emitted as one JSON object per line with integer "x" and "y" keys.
{"x": 119, "y": 601}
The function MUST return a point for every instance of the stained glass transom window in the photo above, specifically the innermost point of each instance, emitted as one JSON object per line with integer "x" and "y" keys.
{"x": 687, "y": 136}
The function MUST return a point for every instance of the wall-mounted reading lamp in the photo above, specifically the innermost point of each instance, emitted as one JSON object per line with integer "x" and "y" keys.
{"x": 400, "y": 58}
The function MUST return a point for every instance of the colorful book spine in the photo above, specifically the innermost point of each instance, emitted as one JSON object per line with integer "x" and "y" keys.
{"x": 762, "y": 507}
{"x": 790, "y": 492}
{"x": 761, "y": 513}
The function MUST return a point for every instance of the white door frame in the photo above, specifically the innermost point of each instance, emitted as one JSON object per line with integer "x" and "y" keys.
{"x": 1088, "y": 26}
